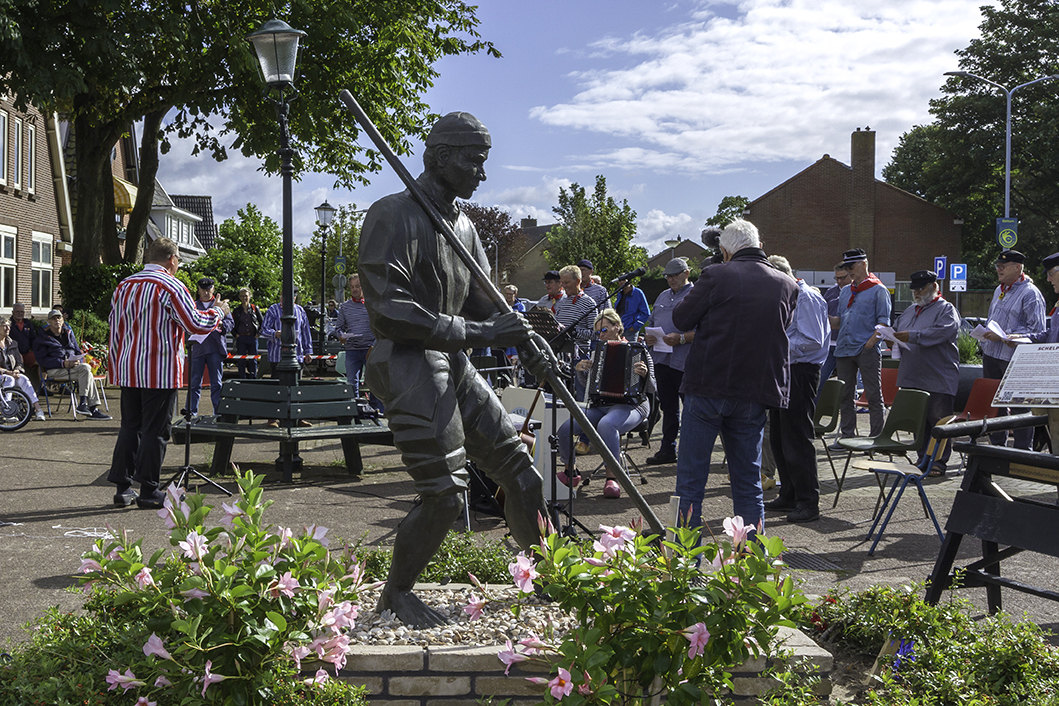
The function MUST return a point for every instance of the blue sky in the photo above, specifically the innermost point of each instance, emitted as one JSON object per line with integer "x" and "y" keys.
{"x": 678, "y": 103}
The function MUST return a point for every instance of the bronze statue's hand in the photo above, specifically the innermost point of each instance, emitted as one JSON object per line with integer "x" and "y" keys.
{"x": 508, "y": 329}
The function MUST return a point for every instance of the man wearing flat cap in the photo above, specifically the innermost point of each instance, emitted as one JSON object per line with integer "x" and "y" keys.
{"x": 1051, "y": 273}
{"x": 861, "y": 306}
{"x": 426, "y": 310}
{"x": 1018, "y": 308}
{"x": 553, "y": 292}
{"x": 208, "y": 352}
{"x": 597, "y": 291}
{"x": 932, "y": 361}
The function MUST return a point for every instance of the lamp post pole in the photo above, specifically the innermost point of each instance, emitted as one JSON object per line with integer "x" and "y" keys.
{"x": 672, "y": 244}
{"x": 324, "y": 213}
{"x": 1007, "y": 126}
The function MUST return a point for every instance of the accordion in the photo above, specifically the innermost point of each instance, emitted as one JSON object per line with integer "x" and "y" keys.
{"x": 612, "y": 379}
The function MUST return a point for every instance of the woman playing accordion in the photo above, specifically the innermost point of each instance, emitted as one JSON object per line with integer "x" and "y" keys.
{"x": 611, "y": 419}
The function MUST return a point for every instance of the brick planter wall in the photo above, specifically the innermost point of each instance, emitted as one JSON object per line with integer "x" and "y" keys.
{"x": 459, "y": 676}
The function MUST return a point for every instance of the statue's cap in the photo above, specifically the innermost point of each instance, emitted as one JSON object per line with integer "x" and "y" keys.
{"x": 458, "y": 130}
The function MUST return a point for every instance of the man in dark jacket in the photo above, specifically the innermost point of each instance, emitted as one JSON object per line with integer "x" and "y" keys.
{"x": 208, "y": 352}
{"x": 737, "y": 368}
{"x": 60, "y": 356}
{"x": 247, "y": 318}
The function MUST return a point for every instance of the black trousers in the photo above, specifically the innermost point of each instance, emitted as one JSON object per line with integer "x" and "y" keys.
{"x": 668, "y": 380}
{"x": 791, "y": 435}
{"x": 146, "y": 426}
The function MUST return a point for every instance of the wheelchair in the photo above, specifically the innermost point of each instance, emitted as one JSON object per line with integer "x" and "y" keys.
{"x": 15, "y": 409}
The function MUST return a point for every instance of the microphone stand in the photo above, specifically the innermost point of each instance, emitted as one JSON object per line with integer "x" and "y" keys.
{"x": 183, "y": 474}
{"x": 536, "y": 348}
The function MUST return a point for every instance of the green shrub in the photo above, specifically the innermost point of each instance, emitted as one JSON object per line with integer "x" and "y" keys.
{"x": 89, "y": 328}
{"x": 968, "y": 347}
{"x": 85, "y": 288}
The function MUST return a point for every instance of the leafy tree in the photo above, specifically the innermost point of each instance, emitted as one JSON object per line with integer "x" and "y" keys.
{"x": 495, "y": 227}
{"x": 247, "y": 254}
{"x": 107, "y": 64}
{"x": 958, "y": 160}
{"x": 597, "y": 228}
{"x": 730, "y": 208}
{"x": 344, "y": 230}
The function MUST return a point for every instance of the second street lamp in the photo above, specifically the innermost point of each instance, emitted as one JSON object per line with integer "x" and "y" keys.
{"x": 324, "y": 213}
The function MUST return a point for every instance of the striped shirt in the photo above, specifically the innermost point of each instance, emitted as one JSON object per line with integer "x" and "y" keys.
{"x": 303, "y": 335}
{"x": 577, "y": 311}
{"x": 353, "y": 323}
{"x": 149, "y": 314}
{"x": 1019, "y": 310}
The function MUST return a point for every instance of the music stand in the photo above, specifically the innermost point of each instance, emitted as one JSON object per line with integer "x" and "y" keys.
{"x": 183, "y": 474}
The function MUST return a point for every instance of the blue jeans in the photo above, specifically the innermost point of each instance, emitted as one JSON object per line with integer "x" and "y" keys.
{"x": 246, "y": 345}
{"x": 355, "y": 359}
{"x": 610, "y": 421}
{"x": 741, "y": 425}
{"x": 212, "y": 362}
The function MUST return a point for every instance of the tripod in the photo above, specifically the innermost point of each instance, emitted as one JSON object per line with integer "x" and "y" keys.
{"x": 555, "y": 507}
{"x": 184, "y": 473}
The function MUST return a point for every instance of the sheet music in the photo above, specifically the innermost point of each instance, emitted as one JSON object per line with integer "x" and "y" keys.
{"x": 660, "y": 345}
{"x": 887, "y": 334}
{"x": 980, "y": 331}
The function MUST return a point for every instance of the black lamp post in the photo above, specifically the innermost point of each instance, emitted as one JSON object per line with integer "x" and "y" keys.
{"x": 276, "y": 45}
{"x": 324, "y": 213}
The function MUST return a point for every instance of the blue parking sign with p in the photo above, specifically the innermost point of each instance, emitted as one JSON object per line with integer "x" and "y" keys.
{"x": 958, "y": 271}
{"x": 940, "y": 266}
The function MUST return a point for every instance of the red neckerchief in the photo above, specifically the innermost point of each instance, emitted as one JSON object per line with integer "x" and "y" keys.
{"x": 357, "y": 301}
{"x": 921, "y": 308}
{"x": 555, "y": 300}
{"x": 1004, "y": 289}
{"x": 867, "y": 283}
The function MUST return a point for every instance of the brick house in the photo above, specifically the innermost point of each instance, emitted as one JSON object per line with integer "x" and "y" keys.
{"x": 830, "y": 207}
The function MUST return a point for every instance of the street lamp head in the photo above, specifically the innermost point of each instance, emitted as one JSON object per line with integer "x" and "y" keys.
{"x": 276, "y": 45}
{"x": 673, "y": 242}
{"x": 325, "y": 212}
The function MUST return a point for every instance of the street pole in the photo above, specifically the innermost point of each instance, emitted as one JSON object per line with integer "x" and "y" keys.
{"x": 323, "y": 287}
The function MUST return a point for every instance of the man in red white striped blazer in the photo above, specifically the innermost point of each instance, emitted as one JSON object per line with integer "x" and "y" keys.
{"x": 149, "y": 314}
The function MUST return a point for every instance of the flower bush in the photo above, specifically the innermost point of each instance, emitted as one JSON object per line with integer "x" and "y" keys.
{"x": 650, "y": 621}
{"x": 231, "y": 610}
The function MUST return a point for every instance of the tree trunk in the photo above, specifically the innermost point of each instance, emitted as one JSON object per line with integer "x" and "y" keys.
{"x": 135, "y": 233}
{"x": 95, "y": 235}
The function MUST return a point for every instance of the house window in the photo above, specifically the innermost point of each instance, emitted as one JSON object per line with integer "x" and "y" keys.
{"x": 3, "y": 148}
{"x": 42, "y": 270}
{"x": 7, "y": 267}
{"x": 16, "y": 143}
{"x": 31, "y": 158}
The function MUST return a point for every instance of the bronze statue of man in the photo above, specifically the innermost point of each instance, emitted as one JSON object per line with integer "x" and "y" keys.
{"x": 426, "y": 309}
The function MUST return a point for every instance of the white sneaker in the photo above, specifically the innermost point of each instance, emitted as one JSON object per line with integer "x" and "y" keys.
{"x": 39, "y": 416}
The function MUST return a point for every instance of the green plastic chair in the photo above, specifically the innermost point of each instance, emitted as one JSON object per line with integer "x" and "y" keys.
{"x": 908, "y": 414}
{"x": 828, "y": 408}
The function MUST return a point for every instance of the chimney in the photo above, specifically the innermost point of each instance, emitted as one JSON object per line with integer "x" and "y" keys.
{"x": 528, "y": 223}
{"x": 862, "y": 193}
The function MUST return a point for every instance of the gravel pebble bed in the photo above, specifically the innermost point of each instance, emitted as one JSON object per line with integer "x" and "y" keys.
{"x": 495, "y": 625}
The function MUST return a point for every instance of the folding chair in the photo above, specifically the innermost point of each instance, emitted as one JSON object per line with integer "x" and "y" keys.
{"x": 905, "y": 473}
{"x": 979, "y": 405}
{"x": 908, "y": 414}
{"x": 53, "y": 386}
{"x": 630, "y": 466}
{"x": 889, "y": 390}
{"x": 828, "y": 407}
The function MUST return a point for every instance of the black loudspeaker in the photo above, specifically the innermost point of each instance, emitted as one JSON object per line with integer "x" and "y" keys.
{"x": 484, "y": 495}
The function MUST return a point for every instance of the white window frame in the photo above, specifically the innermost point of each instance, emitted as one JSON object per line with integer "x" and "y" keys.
{"x": 8, "y": 266}
{"x": 3, "y": 148}
{"x": 31, "y": 157}
{"x": 41, "y": 265}
{"x": 17, "y": 144}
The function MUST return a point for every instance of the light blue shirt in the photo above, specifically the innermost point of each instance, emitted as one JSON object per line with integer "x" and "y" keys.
{"x": 1019, "y": 311}
{"x": 303, "y": 336}
{"x": 810, "y": 331}
{"x": 870, "y": 307}
{"x": 662, "y": 317}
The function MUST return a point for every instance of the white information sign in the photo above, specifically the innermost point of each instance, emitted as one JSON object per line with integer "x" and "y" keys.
{"x": 1032, "y": 377}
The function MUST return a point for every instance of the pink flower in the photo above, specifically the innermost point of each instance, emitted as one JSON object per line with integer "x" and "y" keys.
{"x": 593, "y": 561}
{"x": 299, "y": 653}
{"x": 561, "y": 685}
{"x": 619, "y": 535}
{"x": 319, "y": 679}
{"x": 174, "y": 507}
{"x": 210, "y": 678}
{"x": 509, "y": 656}
{"x": 523, "y": 571}
{"x": 144, "y": 578}
{"x": 533, "y": 644}
{"x": 734, "y": 528}
{"x": 317, "y": 532}
{"x": 284, "y": 535}
{"x": 126, "y": 681}
{"x": 342, "y": 616}
{"x": 586, "y": 686}
{"x": 195, "y": 546}
{"x": 474, "y": 580}
{"x": 155, "y": 646}
{"x": 285, "y": 584}
{"x": 356, "y": 574}
{"x": 162, "y": 681}
{"x": 142, "y": 701}
{"x": 89, "y": 565}
{"x": 698, "y": 636}
{"x": 230, "y": 513}
{"x": 194, "y": 593}
{"x": 335, "y": 651}
{"x": 325, "y": 599}
{"x": 474, "y": 607}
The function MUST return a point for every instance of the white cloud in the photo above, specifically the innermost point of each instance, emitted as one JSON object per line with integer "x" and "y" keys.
{"x": 656, "y": 227}
{"x": 778, "y": 81}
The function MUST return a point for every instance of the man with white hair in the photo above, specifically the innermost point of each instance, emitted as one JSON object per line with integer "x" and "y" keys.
{"x": 932, "y": 361}
{"x": 736, "y": 369}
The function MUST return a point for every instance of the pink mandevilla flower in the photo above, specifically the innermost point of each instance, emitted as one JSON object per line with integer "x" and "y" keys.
{"x": 144, "y": 578}
{"x": 533, "y": 644}
{"x": 142, "y": 701}
{"x": 155, "y": 646}
{"x": 285, "y": 584}
{"x": 318, "y": 533}
{"x": 194, "y": 593}
{"x": 89, "y": 565}
{"x": 325, "y": 599}
{"x": 734, "y": 528}
{"x": 509, "y": 656}
{"x": 195, "y": 546}
{"x": 230, "y": 513}
{"x": 318, "y": 680}
{"x": 698, "y": 636}
{"x": 523, "y": 571}
{"x": 284, "y": 535}
{"x": 335, "y": 651}
{"x": 561, "y": 685}
{"x": 210, "y": 678}
{"x": 126, "y": 681}
{"x": 586, "y": 686}
{"x": 162, "y": 681}
{"x": 342, "y": 616}
{"x": 474, "y": 607}
{"x": 299, "y": 653}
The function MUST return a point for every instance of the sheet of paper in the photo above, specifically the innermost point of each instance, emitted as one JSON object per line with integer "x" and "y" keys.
{"x": 887, "y": 334}
{"x": 198, "y": 337}
{"x": 660, "y": 345}
{"x": 979, "y": 332}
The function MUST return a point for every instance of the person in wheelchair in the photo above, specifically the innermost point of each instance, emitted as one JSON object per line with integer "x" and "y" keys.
{"x": 610, "y": 420}
{"x": 12, "y": 370}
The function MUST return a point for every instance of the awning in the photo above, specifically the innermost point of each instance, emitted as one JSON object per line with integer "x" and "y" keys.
{"x": 124, "y": 195}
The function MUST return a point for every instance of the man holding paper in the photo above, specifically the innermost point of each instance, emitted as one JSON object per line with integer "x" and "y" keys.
{"x": 931, "y": 362}
{"x": 61, "y": 357}
{"x": 1018, "y": 309}
{"x": 669, "y": 350}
